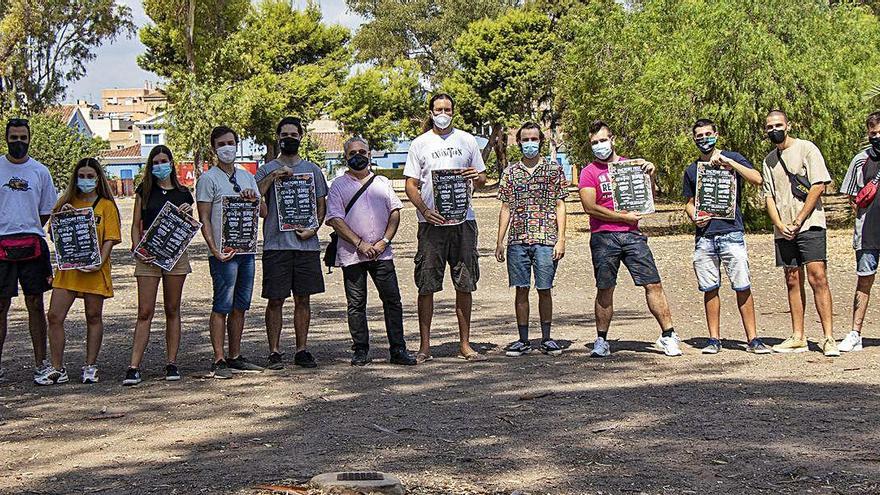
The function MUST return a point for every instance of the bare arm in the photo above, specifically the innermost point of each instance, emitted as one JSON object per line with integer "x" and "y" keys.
{"x": 205, "y": 208}
{"x": 588, "y": 200}
{"x": 812, "y": 200}
{"x": 559, "y": 249}
{"x": 414, "y": 193}
{"x": 480, "y": 181}
{"x": 322, "y": 210}
{"x": 393, "y": 224}
{"x": 344, "y": 231}
{"x": 136, "y": 228}
{"x": 773, "y": 212}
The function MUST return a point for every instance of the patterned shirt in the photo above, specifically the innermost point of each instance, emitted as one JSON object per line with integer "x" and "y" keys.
{"x": 532, "y": 200}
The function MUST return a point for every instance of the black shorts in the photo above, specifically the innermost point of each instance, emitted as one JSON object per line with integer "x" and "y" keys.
{"x": 807, "y": 247}
{"x": 453, "y": 245}
{"x": 292, "y": 272}
{"x": 32, "y": 275}
{"x": 609, "y": 249}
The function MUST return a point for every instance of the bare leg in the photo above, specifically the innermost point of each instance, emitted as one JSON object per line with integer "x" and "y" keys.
{"x": 794, "y": 281}
{"x": 712, "y": 303}
{"x": 545, "y": 305}
{"x": 746, "y": 304}
{"x": 59, "y": 306}
{"x": 426, "y": 314}
{"x": 235, "y": 327}
{"x": 463, "y": 305}
{"x": 274, "y": 321}
{"x": 5, "y": 303}
{"x": 521, "y": 305}
{"x": 658, "y": 305}
{"x": 817, "y": 275}
{"x": 38, "y": 325}
{"x": 218, "y": 334}
{"x": 172, "y": 293}
{"x": 148, "y": 287}
{"x": 95, "y": 326}
{"x": 302, "y": 317}
{"x": 604, "y": 309}
{"x": 860, "y": 301}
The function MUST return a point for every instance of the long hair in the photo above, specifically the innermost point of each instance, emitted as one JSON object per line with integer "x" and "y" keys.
{"x": 147, "y": 181}
{"x": 71, "y": 191}
{"x": 428, "y": 123}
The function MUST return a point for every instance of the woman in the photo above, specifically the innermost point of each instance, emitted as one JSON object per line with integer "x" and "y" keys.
{"x": 88, "y": 188}
{"x": 159, "y": 186}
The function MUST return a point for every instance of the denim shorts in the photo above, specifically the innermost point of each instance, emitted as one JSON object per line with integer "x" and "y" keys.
{"x": 729, "y": 250}
{"x": 233, "y": 283}
{"x": 866, "y": 262}
{"x": 523, "y": 259}
{"x": 609, "y": 249}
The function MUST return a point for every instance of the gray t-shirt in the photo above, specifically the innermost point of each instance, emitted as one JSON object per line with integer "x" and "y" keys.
{"x": 861, "y": 170}
{"x": 273, "y": 238}
{"x": 213, "y": 185}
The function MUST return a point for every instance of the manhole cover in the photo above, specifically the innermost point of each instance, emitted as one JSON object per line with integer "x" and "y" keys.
{"x": 358, "y": 481}
{"x": 360, "y": 476}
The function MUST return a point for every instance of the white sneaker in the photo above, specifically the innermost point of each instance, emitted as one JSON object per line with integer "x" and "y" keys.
{"x": 90, "y": 374}
{"x": 852, "y": 342}
{"x": 51, "y": 376}
{"x": 669, "y": 345}
{"x": 601, "y": 348}
{"x": 39, "y": 370}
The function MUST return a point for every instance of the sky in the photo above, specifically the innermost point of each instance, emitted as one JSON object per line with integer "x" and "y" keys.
{"x": 116, "y": 63}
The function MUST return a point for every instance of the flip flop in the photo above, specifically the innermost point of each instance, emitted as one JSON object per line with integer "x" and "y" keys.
{"x": 423, "y": 358}
{"x": 473, "y": 357}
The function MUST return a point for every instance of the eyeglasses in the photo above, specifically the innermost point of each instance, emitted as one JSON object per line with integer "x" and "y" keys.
{"x": 235, "y": 186}
{"x": 359, "y": 152}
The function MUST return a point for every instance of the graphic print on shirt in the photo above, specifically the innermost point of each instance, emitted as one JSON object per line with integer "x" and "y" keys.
{"x": 18, "y": 184}
{"x": 447, "y": 153}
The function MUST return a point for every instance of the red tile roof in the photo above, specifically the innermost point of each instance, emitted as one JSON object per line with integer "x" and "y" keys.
{"x": 330, "y": 142}
{"x": 129, "y": 152}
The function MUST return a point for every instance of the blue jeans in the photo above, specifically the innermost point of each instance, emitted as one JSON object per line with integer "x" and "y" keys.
{"x": 867, "y": 261}
{"x": 233, "y": 283}
{"x": 711, "y": 252}
{"x": 522, "y": 259}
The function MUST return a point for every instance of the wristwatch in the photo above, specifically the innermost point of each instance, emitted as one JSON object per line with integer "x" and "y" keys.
{"x": 386, "y": 240}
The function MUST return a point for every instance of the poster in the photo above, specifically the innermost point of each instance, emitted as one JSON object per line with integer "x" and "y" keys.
{"x": 168, "y": 237}
{"x": 296, "y": 202}
{"x": 452, "y": 195}
{"x": 239, "y": 225}
{"x": 631, "y": 187}
{"x": 716, "y": 192}
{"x": 75, "y": 235}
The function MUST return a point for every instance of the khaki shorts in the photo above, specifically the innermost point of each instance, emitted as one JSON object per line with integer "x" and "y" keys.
{"x": 142, "y": 269}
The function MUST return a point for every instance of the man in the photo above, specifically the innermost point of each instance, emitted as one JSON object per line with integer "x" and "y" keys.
{"x": 364, "y": 211}
{"x": 291, "y": 259}
{"x": 722, "y": 241}
{"x": 535, "y": 190}
{"x": 615, "y": 238}
{"x": 440, "y": 242}
{"x": 232, "y": 273}
{"x": 27, "y": 196}
{"x": 864, "y": 168}
{"x": 794, "y": 180}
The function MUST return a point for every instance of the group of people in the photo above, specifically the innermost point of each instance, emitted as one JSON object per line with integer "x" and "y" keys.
{"x": 363, "y": 210}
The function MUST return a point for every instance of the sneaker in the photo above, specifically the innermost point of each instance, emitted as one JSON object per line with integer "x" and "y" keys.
{"x": 51, "y": 376}
{"x": 757, "y": 346}
{"x": 791, "y": 345}
{"x": 242, "y": 365}
{"x": 829, "y": 347}
{"x": 172, "y": 374}
{"x": 669, "y": 345}
{"x": 403, "y": 358}
{"x": 220, "y": 370}
{"x": 132, "y": 376}
{"x": 361, "y": 358}
{"x": 713, "y": 346}
{"x": 305, "y": 359}
{"x": 275, "y": 361}
{"x": 852, "y": 342}
{"x": 551, "y": 348}
{"x": 518, "y": 348}
{"x": 601, "y": 348}
{"x": 90, "y": 374}
{"x": 41, "y": 368}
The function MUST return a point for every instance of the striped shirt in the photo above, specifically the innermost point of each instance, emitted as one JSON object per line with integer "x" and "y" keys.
{"x": 862, "y": 169}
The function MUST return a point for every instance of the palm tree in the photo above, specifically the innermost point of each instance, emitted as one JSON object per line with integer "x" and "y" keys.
{"x": 873, "y": 94}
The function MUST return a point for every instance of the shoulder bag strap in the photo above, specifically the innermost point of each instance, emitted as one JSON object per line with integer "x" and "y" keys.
{"x": 358, "y": 194}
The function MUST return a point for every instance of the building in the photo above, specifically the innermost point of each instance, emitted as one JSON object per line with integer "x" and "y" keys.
{"x": 135, "y": 103}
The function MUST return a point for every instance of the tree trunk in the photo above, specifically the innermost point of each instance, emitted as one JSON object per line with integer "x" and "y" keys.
{"x": 499, "y": 132}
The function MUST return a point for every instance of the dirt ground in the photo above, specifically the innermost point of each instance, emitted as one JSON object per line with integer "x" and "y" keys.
{"x": 637, "y": 422}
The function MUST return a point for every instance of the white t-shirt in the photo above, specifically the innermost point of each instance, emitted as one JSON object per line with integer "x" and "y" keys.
{"x": 431, "y": 151}
{"x": 26, "y": 192}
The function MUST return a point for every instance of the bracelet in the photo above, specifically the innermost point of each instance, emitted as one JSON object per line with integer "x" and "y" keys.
{"x": 359, "y": 244}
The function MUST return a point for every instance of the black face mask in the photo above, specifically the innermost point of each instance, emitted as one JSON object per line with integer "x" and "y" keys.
{"x": 875, "y": 144}
{"x": 18, "y": 149}
{"x": 777, "y": 136}
{"x": 289, "y": 146}
{"x": 358, "y": 162}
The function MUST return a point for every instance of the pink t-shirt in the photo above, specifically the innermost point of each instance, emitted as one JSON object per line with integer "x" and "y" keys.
{"x": 595, "y": 176}
{"x": 368, "y": 217}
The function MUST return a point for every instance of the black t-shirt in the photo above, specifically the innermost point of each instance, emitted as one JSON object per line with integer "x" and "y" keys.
{"x": 718, "y": 226}
{"x": 158, "y": 198}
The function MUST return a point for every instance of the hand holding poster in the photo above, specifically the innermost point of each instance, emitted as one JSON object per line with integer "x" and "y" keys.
{"x": 716, "y": 192}
{"x": 452, "y": 195}
{"x": 631, "y": 187}
{"x": 168, "y": 237}
{"x": 296, "y": 202}
{"x": 239, "y": 228}
{"x": 75, "y": 235}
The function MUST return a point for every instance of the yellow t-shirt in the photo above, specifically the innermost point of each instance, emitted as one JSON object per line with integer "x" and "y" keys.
{"x": 107, "y": 220}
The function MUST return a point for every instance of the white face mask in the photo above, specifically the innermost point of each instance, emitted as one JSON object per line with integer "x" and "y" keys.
{"x": 442, "y": 121}
{"x": 603, "y": 150}
{"x": 227, "y": 154}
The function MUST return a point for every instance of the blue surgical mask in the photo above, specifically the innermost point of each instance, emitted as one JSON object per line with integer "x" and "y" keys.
{"x": 603, "y": 150}
{"x": 161, "y": 171}
{"x": 86, "y": 185}
{"x": 530, "y": 149}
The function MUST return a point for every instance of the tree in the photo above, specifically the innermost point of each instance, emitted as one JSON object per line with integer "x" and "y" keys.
{"x": 46, "y": 44}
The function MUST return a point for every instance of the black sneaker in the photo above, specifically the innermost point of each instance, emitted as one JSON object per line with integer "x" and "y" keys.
{"x": 220, "y": 370}
{"x": 403, "y": 358}
{"x": 518, "y": 348}
{"x": 275, "y": 361}
{"x": 361, "y": 358}
{"x": 550, "y": 347}
{"x": 242, "y": 365}
{"x": 172, "y": 374}
{"x": 132, "y": 377}
{"x": 304, "y": 358}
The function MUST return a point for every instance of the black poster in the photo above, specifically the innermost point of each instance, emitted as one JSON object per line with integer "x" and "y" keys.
{"x": 168, "y": 236}
{"x": 452, "y": 195}
{"x": 296, "y": 202}
{"x": 239, "y": 228}
{"x": 75, "y": 235}
{"x": 631, "y": 187}
{"x": 716, "y": 192}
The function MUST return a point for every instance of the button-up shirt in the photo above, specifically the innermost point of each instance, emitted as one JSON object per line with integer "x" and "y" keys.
{"x": 531, "y": 197}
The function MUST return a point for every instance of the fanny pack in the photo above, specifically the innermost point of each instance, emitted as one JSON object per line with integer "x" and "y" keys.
{"x": 869, "y": 192}
{"x": 20, "y": 247}
{"x": 800, "y": 186}
{"x": 332, "y": 246}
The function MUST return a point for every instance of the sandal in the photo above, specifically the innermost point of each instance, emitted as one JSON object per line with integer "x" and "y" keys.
{"x": 474, "y": 356}
{"x": 423, "y": 358}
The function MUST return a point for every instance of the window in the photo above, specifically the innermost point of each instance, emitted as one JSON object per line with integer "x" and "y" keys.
{"x": 151, "y": 139}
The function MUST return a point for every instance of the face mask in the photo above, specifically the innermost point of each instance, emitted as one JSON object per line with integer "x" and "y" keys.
{"x": 162, "y": 171}
{"x": 18, "y": 149}
{"x": 777, "y": 136}
{"x": 442, "y": 121}
{"x": 530, "y": 149}
{"x": 358, "y": 162}
{"x": 603, "y": 150}
{"x": 706, "y": 144}
{"x": 289, "y": 146}
{"x": 875, "y": 144}
{"x": 227, "y": 153}
{"x": 86, "y": 185}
